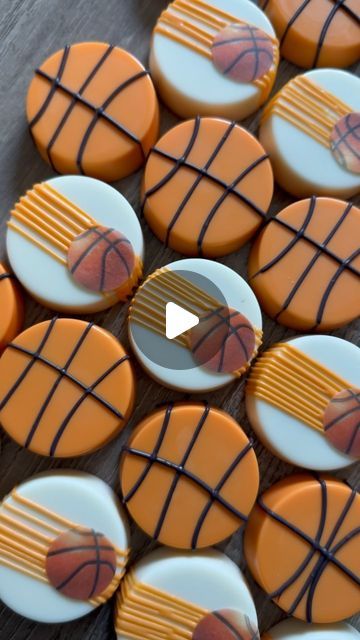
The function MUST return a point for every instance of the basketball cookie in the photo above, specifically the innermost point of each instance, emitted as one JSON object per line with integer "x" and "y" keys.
{"x": 171, "y": 594}
{"x": 165, "y": 464}
{"x": 83, "y": 241}
{"x": 302, "y": 546}
{"x": 66, "y": 388}
{"x": 316, "y": 33}
{"x": 92, "y": 109}
{"x": 305, "y": 265}
{"x": 11, "y": 307}
{"x": 311, "y": 130}
{"x": 63, "y": 546}
{"x": 220, "y": 344}
{"x": 214, "y": 58}
{"x": 200, "y": 187}
{"x": 303, "y": 401}
{"x": 297, "y": 630}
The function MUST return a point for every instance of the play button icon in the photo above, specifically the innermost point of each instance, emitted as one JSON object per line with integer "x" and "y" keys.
{"x": 178, "y": 320}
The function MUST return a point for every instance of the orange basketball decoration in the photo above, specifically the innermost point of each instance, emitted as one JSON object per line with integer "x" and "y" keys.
{"x": 189, "y": 475}
{"x": 101, "y": 259}
{"x": 342, "y": 422}
{"x": 243, "y": 52}
{"x": 92, "y": 109}
{"x": 224, "y": 341}
{"x": 226, "y": 624}
{"x": 11, "y": 307}
{"x": 81, "y": 564}
{"x": 345, "y": 142}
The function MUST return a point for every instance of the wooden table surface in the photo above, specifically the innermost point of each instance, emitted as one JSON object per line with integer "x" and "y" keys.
{"x": 30, "y": 30}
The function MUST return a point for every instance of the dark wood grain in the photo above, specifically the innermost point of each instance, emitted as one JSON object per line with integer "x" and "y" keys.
{"x": 29, "y": 31}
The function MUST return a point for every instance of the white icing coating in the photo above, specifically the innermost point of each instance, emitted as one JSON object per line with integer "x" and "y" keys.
{"x": 50, "y": 282}
{"x": 298, "y": 630}
{"x": 83, "y": 499}
{"x": 289, "y": 438}
{"x": 238, "y": 295}
{"x": 208, "y": 579}
{"x": 303, "y": 166}
{"x": 191, "y": 85}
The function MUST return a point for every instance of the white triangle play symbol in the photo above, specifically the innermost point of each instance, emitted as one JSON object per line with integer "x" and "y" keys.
{"x": 178, "y": 320}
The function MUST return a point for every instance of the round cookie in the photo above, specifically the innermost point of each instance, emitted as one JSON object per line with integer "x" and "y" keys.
{"x": 92, "y": 109}
{"x": 297, "y": 630}
{"x": 311, "y": 130}
{"x": 172, "y": 362}
{"x": 172, "y": 594}
{"x": 11, "y": 307}
{"x": 305, "y": 265}
{"x": 165, "y": 464}
{"x": 66, "y": 388}
{"x": 214, "y": 58}
{"x": 293, "y": 387}
{"x": 316, "y": 33}
{"x": 76, "y": 244}
{"x": 38, "y": 520}
{"x": 302, "y": 547}
{"x": 200, "y": 195}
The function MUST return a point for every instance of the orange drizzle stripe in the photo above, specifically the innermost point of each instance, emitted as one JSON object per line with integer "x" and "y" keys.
{"x": 187, "y": 28}
{"x": 207, "y": 16}
{"x": 38, "y": 243}
{"x": 51, "y": 237}
{"x": 181, "y": 40}
{"x": 52, "y": 232}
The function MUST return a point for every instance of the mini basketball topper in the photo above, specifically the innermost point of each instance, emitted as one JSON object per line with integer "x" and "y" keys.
{"x": 345, "y": 142}
{"x": 342, "y": 422}
{"x": 226, "y": 624}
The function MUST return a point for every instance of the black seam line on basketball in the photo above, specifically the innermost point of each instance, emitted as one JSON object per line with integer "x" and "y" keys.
{"x": 29, "y": 366}
{"x": 101, "y": 236}
{"x": 265, "y": 4}
{"x": 84, "y": 565}
{"x": 198, "y": 180}
{"x": 293, "y": 19}
{"x": 89, "y": 391}
{"x": 52, "y": 91}
{"x": 212, "y": 329}
{"x": 55, "y": 386}
{"x": 251, "y": 629}
{"x": 352, "y": 439}
{"x": 82, "y": 547}
{"x": 72, "y": 104}
{"x": 85, "y": 253}
{"x": 5, "y": 276}
{"x": 177, "y": 476}
{"x": 341, "y": 417}
{"x": 108, "y": 250}
{"x": 300, "y": 235}
{"x": 39, "y": 358}
{"x": 318, "y": 254}
{"x": 218, "y": 488}
{"x": 322, "y": 562}
{"x": 354, "y": 394}
{"x": 211, "y": 177}
{"x": 234, "y": 632}
{"x": 100, "y": 112}
{"x": 231, "y": 189}
{"x": 215, "y": 45}
{"x": 241, "y": 55}
{"x": 190, "y": 476}
{"x": 325, "y": 29}
{"x": 351, "y": 129}
{"x": 350, "y": 12}
{"x": 158, "y": 444}
{"x": 97, "y": 566}
{"x": 299, "y": 571}
{"x": 332, "y": 283}
{"x": 316, "y": 546}
{"x": 257, "y": 56}
{"x": 178, "y": 162}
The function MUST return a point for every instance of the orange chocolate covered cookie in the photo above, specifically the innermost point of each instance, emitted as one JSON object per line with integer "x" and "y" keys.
{"x": 92, "y": 109}
{"x": 317, "y": 33}
{"x": 302, "y": 545}
{"x": 305, "y": 265}
{"x": 66, "y": 388}
{"x": 11, "y": 307}
{"x": 201, "y": 187}
{"x": 189, "y": 475}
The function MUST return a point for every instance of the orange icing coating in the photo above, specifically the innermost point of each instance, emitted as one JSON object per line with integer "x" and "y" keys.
{"x": 101, "y": 116}
{"x": 60, "y": 380}
{"x": 24, "y": 548}
{"x": 317, "y": 33}
{"x": 305, "y": 265}
{"x": 176, "y": 496}
{"x": 201, "y": 195}
{"x": 11, "y": 307}
{"x": 302, "y": 547}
